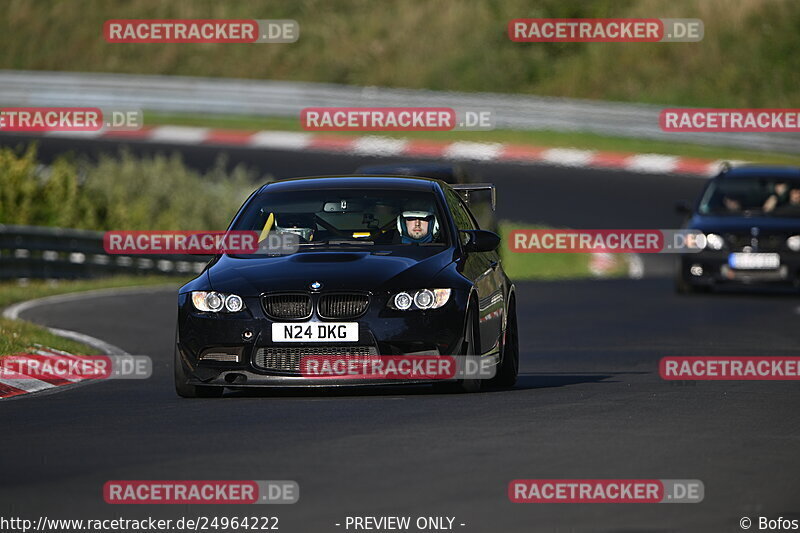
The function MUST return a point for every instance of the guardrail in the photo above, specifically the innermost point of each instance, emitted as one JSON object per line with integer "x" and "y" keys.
{"x": 44, "y": 253}
{"x": 178, "y": 94}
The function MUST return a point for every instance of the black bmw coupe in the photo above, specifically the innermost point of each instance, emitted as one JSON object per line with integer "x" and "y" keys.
{"x": 385, "y": 266}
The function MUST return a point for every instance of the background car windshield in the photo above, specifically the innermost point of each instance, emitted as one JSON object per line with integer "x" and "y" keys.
{"x": 349, "y": 216}
{"x": 763, "y": 196}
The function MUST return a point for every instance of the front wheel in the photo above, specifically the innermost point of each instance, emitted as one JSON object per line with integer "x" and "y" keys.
{"x": 469, "y": 348}
{"x": 508, "y": 370}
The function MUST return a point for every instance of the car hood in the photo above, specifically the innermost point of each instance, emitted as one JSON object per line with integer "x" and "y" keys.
{"x": 736, "y": 224}
{"x": 401, "y": 267}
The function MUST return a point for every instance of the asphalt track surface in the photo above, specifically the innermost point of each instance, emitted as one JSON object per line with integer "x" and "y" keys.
{"x": 589, "y": 402}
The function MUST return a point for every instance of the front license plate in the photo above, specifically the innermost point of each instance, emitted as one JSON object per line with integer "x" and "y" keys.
{"x": 315, "y": 332}
{"x": 754, "y": 261}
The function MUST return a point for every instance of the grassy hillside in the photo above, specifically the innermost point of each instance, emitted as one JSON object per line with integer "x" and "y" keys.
{"x": 749, "y": 56}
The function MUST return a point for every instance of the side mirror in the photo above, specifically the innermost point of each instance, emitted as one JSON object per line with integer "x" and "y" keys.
{"x": 480, "y": 240}
{"x": 682, "y": 207}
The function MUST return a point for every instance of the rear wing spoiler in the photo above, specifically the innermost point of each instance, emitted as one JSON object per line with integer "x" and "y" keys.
{"x": 466, "y": 188}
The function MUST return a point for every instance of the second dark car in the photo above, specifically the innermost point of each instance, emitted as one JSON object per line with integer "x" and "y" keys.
{"x": 750, "y": 217}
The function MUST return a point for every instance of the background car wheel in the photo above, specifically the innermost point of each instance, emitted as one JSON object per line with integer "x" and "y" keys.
{"x": 186, "y": 390}
{"x": 509, "y": 366}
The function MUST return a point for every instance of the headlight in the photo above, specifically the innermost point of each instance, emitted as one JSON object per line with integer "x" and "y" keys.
{"x": 424, "y": 299}
{"x": 402, "y": 301}
{"x": 234, "y": 303}
{"x": 793, "y": 243}
{"x": 421, "y": 299}
{"x": 714, "y": 241}
{"x": 216, "y": 301}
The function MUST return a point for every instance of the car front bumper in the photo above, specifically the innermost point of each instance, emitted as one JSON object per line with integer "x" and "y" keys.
{"x": 240, "y": 336}
{"x": 714, "y": 269}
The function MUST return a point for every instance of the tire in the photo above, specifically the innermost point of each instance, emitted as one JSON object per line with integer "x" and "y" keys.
{"x": 185, "y": 390}
{"x": 468, "y": 348}
{"x": 509, "y": 365}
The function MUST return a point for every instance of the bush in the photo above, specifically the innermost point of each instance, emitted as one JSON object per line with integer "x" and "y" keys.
{"x": 119, "y": 193}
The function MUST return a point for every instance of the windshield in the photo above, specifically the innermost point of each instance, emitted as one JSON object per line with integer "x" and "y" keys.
{"x": 347, "y": 217}
{"x": 752, "y": 196}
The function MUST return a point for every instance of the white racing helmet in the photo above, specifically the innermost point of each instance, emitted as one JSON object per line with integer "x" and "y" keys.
{"x": 433, "y": 227}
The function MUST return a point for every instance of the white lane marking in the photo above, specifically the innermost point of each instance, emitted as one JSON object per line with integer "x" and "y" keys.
{"x": 374, "y": 145}
{"x": 54, "y": 358}
{"x": 102, "y": 346}
{"x": 287, "y": 140}
{"x": 179, "y": 134}
{"x": 473, "y": 150}
{"x": 105, "y": 348}
{"x": 76, "y": 134}
{"x": 27, "y": 384}
{"x": 652, "y": 163}
{"x": 13, "y": 311}
{"x": 568, "y": 157}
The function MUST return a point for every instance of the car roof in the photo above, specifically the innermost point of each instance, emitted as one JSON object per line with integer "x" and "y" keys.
{"x": 763, "y": 171}
{"x": 408, "y": 183}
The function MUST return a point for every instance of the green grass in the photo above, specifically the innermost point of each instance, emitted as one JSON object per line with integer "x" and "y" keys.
{"x": 541, "y": 138}
{"x": 16, "y": 336}
{"x": 748, "y": 57}
{"x": 542, "y": 266}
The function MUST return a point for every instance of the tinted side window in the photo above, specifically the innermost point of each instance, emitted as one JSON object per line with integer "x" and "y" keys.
{"x": 460, "y": 214}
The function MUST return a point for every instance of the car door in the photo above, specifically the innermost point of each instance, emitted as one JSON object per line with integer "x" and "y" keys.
{"x": 482, "y": 268}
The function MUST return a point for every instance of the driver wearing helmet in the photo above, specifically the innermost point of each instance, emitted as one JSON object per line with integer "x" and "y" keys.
{"x": 417, "y": 227}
